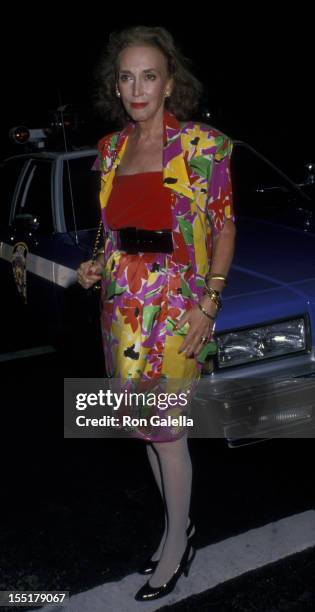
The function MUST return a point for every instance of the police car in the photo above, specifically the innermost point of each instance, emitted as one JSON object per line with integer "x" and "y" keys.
{"x": 262, "y": 380}
{"x": 48, "y": 214}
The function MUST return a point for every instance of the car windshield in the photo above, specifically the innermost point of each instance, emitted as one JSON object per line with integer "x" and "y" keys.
{"x": 262, "y": 190}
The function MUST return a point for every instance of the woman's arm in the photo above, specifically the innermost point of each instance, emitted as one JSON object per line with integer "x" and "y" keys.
{"x": 223, "y": 252}
{"x": 199, "y": 324}
{"x": 220, "y": 209}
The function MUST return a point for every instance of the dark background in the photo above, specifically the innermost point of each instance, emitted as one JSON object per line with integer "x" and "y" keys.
{"x": 257, "y": 68}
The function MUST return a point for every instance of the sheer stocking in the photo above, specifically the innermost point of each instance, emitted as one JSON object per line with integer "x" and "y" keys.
{"x": 156, "y": 469}
{"x": 175, "y": 483}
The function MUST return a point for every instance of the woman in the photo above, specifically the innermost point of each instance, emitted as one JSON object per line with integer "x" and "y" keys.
{"x": 171, "y": 181}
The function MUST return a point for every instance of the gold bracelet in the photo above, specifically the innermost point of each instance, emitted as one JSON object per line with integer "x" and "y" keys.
{"x": 214, "y": 296}
{"x": 205, "y": 312}
{"x": 217, "y": 304}
{"x": 214, "y": 276}
{"x": 214, "y": 292}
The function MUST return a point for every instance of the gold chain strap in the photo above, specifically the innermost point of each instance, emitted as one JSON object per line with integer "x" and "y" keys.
{"x": 97, "y": 286}
{"x": 97, "y": 240}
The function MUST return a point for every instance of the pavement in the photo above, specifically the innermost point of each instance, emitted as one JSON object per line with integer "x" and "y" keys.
{"x": 82, "y": 515}
{"x": 222, "y": 576}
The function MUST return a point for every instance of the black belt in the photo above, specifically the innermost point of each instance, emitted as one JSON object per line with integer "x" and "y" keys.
{"x": 134, "y": 240}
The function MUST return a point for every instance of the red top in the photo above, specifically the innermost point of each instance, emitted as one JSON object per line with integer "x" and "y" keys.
{"x": 139, "y": 200}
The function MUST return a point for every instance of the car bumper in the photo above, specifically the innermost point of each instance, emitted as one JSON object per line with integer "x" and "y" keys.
{"x": 258, "y": 402}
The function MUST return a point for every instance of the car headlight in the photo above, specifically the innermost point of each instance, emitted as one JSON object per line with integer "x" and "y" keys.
{"x": 263, "y": 342}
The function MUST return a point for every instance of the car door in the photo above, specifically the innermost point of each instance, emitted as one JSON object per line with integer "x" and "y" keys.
{"x": 32, "y": 238}
{"x": 12, "y": 172}
{"x": 12, "y": 175}
{"x": 79, "y": 218}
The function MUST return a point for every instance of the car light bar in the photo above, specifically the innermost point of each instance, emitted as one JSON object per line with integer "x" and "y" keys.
{"x": 22, "y": 135}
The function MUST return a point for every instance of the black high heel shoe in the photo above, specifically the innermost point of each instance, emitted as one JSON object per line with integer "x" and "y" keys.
{"x": 149, "y": 566}
{"x": 148, "y": 593}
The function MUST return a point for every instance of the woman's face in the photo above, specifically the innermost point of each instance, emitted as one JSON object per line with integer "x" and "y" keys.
{"x": 143, "y": 81}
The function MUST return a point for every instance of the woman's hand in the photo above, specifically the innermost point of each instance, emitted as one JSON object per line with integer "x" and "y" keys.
{"x": 200, "y": 327}
{"x": 89, "y": 273}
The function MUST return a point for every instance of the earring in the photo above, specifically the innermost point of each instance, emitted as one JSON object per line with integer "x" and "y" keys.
{"x": 167, "y": 94}
{"x": 118, "y": 93}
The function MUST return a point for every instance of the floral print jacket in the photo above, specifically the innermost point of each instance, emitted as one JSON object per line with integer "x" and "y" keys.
{"x": 196, "y": 167}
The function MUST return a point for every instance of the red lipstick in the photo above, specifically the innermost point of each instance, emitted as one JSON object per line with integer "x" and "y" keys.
{"x": 139, "y": 104}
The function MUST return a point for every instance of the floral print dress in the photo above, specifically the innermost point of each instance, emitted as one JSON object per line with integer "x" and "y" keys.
{"x": 144, "y": 294}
